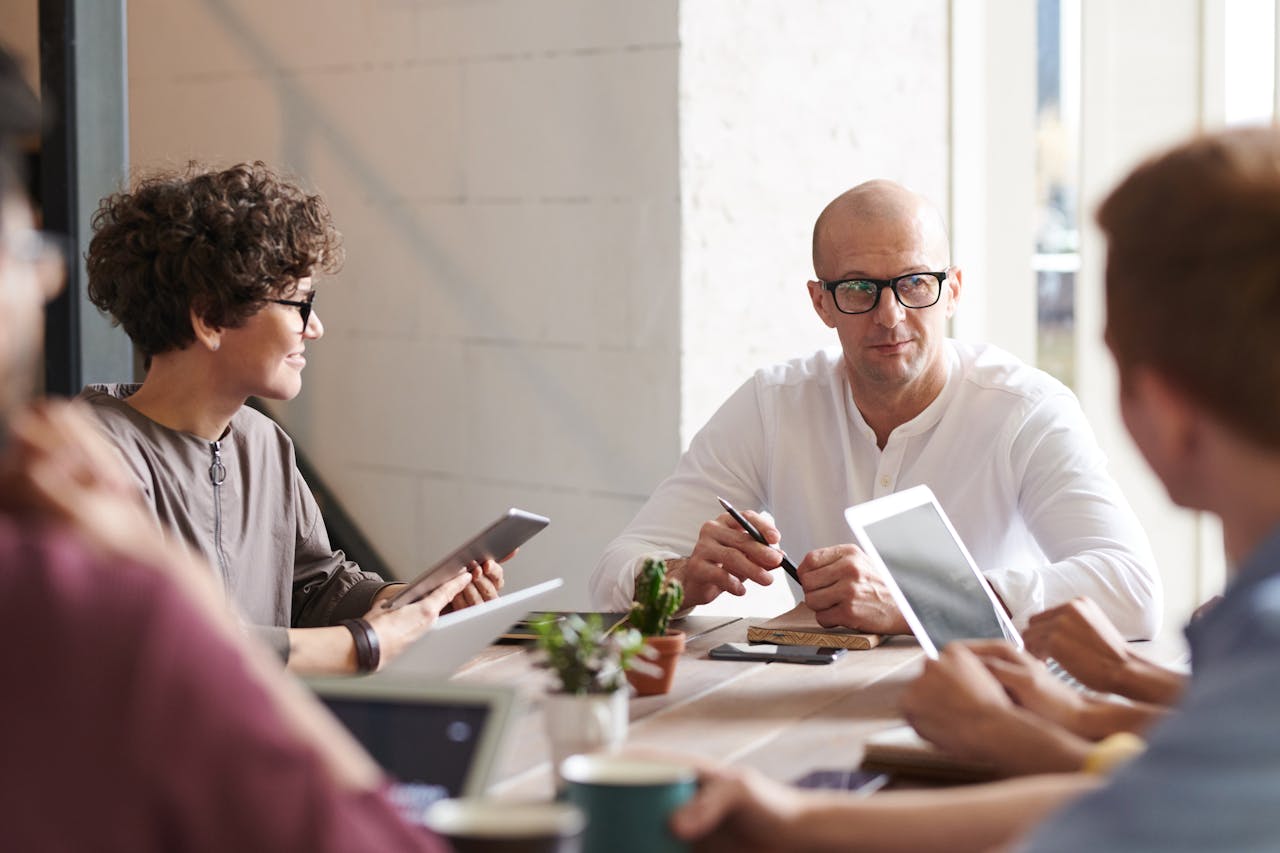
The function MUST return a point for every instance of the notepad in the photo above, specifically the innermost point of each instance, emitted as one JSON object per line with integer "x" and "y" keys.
{"x": 799, "y": 627}
{"x": 899, "y": 751}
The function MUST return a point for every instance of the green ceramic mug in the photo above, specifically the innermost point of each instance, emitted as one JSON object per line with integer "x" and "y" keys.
{"x": 628, "y": 801}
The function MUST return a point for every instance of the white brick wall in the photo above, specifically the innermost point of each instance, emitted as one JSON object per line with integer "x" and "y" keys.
{"x": 782, "y": 107}
{"x": 567, "y": 223}
{"x": 505, "y": 175}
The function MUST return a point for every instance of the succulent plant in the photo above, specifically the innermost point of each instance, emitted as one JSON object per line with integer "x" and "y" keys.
{"x": 658, "y": 597}
{"x": 587, "y": 657}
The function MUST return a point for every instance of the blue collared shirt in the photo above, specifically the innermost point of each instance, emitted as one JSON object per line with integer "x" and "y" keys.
{"x": 1210, "y": 778}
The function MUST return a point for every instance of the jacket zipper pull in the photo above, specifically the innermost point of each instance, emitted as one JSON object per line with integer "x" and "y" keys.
{"x": 217, "y": 472}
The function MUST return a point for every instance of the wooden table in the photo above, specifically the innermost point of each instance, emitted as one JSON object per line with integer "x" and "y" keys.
{"x": 784, "y": 719}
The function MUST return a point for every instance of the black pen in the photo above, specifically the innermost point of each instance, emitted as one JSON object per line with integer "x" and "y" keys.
{"x": 789, "y": 566}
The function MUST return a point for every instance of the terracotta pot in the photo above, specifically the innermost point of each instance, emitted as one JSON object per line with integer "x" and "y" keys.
{"x": 669, "y": 647}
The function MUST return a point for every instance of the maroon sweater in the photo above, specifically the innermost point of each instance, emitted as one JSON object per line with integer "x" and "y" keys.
{"x": 127, "y": 724}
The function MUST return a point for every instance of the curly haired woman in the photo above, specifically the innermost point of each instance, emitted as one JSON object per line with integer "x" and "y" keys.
{"x": 210, "y": 273}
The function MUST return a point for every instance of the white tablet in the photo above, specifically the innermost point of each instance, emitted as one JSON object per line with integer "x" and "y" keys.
{"x": 458, "y": 636}
{"x": 940, "y": 591}
{"x": 504, "y": 535}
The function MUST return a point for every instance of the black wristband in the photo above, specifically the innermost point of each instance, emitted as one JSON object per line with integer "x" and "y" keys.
{"x": 368, "y": 650}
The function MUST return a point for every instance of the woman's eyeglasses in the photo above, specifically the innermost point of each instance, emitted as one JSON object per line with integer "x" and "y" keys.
{"x": 304, "y": 307}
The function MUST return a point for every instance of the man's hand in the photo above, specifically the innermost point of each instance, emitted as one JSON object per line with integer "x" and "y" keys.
{"x": 738, "y": 809}
{"x": 400, "y": 627}
{"x": 844, "y": 590}
{"x": 724, "y": 557}
{"x": 959, "y": 705}
{"x": 1030, "y": 684}
{"x": 1079, "y": 636}
{"x": 956, "y": 703}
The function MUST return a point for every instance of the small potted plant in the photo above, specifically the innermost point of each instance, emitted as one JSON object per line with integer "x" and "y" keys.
{"x": 658, "y": 597}
{"x": 588, "y": 710}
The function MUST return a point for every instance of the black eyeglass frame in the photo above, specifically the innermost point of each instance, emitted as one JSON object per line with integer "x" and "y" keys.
{"x": 306, "y": 306}
{"x": 881, "y": 284}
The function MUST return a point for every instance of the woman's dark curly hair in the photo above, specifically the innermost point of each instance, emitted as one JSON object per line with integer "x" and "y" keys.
{"x": 221, "y": 242}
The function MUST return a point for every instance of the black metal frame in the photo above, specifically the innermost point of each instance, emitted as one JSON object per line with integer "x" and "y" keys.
{"x": 58, "y": 181}
{"x": 881, "y": 284}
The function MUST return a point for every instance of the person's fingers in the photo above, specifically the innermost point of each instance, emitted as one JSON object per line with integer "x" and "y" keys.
{"x": 483, "y": 588}
{"x": 735, "y": 561}
{"x": 831, "y": 598}
{"x": 1013, "y": 676}
{"x": 469, "y": 597}
{"x": 495, "y": 574}
{"x": 763, "y": 524}
{"x": 723, "y": 535}
{"x": 435, "y": 601}
{"x": 716, "y": 797}
{"x": 1002, "y": 649}
{"x": 717, "y": 576}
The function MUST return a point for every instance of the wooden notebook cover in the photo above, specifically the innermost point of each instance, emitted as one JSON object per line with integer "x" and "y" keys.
{"x": 799, "y": 627}
{"x": 902, "y": 752}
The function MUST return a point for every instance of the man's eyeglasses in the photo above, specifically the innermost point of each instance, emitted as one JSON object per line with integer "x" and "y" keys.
{"x": 304, "y": 307}
{"x": 860, "y": 295}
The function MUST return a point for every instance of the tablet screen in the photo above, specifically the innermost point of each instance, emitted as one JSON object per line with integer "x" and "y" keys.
{"x": 934, "y": 576}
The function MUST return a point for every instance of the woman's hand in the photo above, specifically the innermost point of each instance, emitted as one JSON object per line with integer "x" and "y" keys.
{"x": 398, "y": 628}
{"x": 485, "y": 585}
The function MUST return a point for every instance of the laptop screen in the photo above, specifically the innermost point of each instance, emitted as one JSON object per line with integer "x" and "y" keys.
{"x": 429, "y": 747}
{"x": 934, "y": 576}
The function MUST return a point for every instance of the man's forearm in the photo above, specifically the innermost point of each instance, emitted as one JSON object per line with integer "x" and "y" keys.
{"x": 977, "y": 817}
{"x": 1100, "y": 718}
{"x": 1150, "y": 682}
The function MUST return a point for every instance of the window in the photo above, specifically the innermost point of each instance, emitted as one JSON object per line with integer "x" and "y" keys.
{"x": 1056, "y": 260}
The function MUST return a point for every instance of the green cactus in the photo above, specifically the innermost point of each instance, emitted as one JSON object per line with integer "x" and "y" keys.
{"x": 658, "y": 597}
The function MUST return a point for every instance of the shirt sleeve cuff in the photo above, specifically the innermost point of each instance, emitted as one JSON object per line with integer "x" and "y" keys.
{"x": 357, "y": 600}
{"x": 1020, "y": 590}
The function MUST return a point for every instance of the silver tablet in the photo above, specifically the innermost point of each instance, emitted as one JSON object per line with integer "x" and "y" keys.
{"x": 495, "y": 542}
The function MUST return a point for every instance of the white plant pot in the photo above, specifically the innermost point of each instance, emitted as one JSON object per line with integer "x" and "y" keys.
{"x": 592, "y": 722}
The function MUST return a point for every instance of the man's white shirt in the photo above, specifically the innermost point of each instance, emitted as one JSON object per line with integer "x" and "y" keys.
{"x": 1005, "y": 447}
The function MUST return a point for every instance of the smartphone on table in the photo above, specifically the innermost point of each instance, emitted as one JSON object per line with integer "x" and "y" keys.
{"x": 769, "y": 652}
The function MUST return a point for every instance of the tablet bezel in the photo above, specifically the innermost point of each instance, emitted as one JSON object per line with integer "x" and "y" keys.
{"x": 501, "y": 701}
{"x": 878, "y": 509}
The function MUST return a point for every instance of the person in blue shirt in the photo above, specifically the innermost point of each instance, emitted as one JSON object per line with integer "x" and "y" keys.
{"x": 1193, "y": 317}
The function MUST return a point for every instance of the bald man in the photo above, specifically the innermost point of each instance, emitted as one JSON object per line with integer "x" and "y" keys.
{"x": 1004, "y": 446}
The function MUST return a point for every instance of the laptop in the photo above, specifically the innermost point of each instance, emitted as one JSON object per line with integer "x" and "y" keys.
{"x": 933, "y": 579}
{"x": 435, "y": 739}
{"x": 457, "y": 637}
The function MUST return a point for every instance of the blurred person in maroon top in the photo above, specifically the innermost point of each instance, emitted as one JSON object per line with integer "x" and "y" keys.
{"x": 137, "y": 716}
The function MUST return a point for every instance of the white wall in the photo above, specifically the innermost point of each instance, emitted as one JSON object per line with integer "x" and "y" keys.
{"x": 574, "y": 226}
{"x": 505, "y": 174}
{"x": 1139, "y": 96}
{"x": 783, "y": 106}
